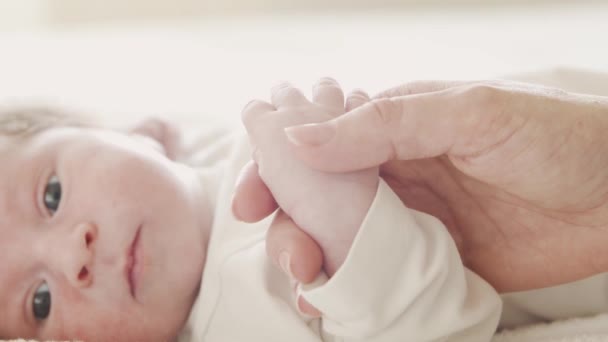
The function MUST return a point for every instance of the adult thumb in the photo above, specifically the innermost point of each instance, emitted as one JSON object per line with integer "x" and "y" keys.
{"x": 405, "y": 127}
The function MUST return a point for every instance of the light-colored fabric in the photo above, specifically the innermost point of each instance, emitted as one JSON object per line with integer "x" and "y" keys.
{"x": 583, "y": 298}
{"x": 579, "y": 329}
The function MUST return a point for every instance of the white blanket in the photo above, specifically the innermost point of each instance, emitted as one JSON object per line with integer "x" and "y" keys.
{"x": 590, "y": 329}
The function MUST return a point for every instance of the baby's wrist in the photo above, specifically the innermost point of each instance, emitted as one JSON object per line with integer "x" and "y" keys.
{"x": 335, "y": 226}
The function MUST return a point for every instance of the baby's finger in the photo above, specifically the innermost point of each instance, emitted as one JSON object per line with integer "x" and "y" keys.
{"x": 284, "y": 94}
{"x": 327, "y": 92}
{"x": 355, "y": 99}
{"x": 292, "y": 250}
{"x": 254, "y": 109}
{"x": 252, "y": 200}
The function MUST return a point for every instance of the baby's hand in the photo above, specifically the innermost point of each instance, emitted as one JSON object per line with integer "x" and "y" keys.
{"x": 328, "y": 206}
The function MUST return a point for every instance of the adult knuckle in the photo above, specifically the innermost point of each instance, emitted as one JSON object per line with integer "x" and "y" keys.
{"x": 553, "y": 92}
{"x": 409, "y": 88}
{"x": 481, "y": 100}
{"x": 485, "y": 113}
{"x": 485, "y": 94}
{"x": 393, "y": 92}
{"x": 413, "y": 87}
{"x": 387, "y": 110}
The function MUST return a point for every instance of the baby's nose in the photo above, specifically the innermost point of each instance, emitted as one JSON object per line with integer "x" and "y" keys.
{"x": 78, "y": 254}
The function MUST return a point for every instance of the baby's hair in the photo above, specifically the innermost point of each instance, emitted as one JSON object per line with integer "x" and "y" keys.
{"x": 23, "y": 122}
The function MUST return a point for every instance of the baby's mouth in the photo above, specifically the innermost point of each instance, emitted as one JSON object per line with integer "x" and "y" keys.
{"x": 131, "y": 269}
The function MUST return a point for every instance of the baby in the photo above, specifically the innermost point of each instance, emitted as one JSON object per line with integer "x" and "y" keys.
{"x": 106, "y": 237}
{"x": 102, "y": 236}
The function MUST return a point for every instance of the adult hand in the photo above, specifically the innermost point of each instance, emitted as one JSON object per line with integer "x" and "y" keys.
{"x": 515, "y": 171}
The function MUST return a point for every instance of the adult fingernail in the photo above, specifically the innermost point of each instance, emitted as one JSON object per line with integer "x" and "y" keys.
{"x": 285, "y": 262}
{"x": 310, "y": 134}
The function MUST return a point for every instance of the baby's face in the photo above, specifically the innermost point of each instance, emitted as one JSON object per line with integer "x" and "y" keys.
{"x": 101, "y": 238}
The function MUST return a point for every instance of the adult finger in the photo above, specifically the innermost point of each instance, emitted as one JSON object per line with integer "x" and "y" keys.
{"x": 284, "y": 94}
{"x": 252, "y": 199}
{"x": 407, "y": 127}
{"x": 292, "y": 250}
{"x": 327, "y": 92}
{"x": 355, "y": 99}
{"x": 420, "y": 87}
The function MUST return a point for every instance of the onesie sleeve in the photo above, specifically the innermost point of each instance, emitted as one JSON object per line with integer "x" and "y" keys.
{"x": 403, "y": 280}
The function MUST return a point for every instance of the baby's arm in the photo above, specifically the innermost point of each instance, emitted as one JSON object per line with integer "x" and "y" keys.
{"x": 329, "y": 207}
{"x": 403, "y": 280}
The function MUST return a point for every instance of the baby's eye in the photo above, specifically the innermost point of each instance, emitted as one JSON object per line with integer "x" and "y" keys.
{"x": 52, "y": 194}
{"x": 41, "y": 305}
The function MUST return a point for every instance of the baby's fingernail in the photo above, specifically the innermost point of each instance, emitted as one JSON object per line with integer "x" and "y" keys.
{"x": 305, "y": 308}
{"x": 285, "y": 262}
{"x": 310, "y": 134}
{"x": 236, "y": 210}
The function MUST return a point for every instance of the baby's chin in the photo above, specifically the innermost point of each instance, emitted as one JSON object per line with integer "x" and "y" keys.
{"x": 179, "y": 317}
{"x": 168, "y": 330}
{"x": 163, "y": 323}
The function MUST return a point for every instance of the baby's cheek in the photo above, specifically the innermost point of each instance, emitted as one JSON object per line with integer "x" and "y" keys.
{"x": 101, "y": 327}
{"x": 88, "y": 322}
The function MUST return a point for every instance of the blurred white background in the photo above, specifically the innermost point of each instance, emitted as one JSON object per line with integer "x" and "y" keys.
{"x": 197, "y": 60}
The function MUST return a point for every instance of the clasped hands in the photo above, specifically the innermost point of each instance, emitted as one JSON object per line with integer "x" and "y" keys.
{"x": 516, "y": 172}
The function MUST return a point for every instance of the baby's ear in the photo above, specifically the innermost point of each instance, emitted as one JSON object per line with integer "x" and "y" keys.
{"x": 163, "y": 134}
